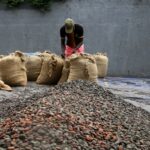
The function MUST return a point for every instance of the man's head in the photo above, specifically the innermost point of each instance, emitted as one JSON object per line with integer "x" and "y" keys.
{"x": 69, "y": 25}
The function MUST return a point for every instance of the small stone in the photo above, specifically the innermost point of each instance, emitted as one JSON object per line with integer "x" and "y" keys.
{"x": 11, "y": 148}
{"x": 22, "y": 137}
{"x": 88, "y": 138}
{"x": 3, "y": 144}
{"x": 41, "y": 132}
{"x": 35, "y": 143}
{"x": 66, "y": 148}
{"x": 2, "y": 148}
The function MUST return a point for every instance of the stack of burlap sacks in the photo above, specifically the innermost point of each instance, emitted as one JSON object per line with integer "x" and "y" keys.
{"x": 48, "y": 68}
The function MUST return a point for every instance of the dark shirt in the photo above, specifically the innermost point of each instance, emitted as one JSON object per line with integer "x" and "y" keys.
{"x": 73, "y": 39}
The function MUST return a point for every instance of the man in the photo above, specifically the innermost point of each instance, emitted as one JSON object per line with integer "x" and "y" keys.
{"x": 71, "y": 38}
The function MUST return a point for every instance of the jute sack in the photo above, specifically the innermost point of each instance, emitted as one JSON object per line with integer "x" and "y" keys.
{"x": 65, "y": 72}
{"x": 45, "y": 54}
{"x": 51, "y": 70}
{"x": 4, "y": 86}
{"x": 102, "y": 64}
{"x": 33, "y": 66}
{"x": 12, "y": 69}
{"x": 1, "y": 56}
{"x": 82, "y": 66}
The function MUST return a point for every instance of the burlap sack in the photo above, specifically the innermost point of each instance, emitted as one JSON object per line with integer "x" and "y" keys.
{"x": 82, "y": 66}
{"x": 12, "y": 69}
{"x": 45, "y": 54}
{"x": 102, "y": 64}
{"x": 51, "y": 70}
{"x": 1, "y": 56}
{"x": 4, "y": 86}
{"x": 65, "y": 72}
{"x": 33, "y": 66}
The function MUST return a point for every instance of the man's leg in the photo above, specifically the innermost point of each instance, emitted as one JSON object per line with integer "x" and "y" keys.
{"x": 68, "y": 51}
{"x": 81, "y": 49}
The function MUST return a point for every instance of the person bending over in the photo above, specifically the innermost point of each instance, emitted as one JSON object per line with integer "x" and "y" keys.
{"x": 71, "y": 38}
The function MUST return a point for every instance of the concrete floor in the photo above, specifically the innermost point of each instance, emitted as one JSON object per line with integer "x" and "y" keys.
{"x": 133, "y": 90}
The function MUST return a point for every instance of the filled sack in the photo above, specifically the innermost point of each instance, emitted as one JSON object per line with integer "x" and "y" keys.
{"x": 51, "y": 69}
{"x": 45, "y": 54}
{"x": 33, "y": 66}
{"x": 102, "y": 64}
{"x": 4, "y": 86}
{"x": 12, "y": 69}
{"x": 65, "y": 72}
{"x": 82, "y": 66}
{"x": 1, "y": 56}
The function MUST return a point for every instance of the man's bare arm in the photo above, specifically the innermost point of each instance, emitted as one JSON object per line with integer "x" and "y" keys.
{"x": 79, "y": 45}
{"x": 63, "y": 46}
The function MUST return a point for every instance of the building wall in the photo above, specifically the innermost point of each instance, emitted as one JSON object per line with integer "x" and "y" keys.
{"x": 121, "y": 28}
